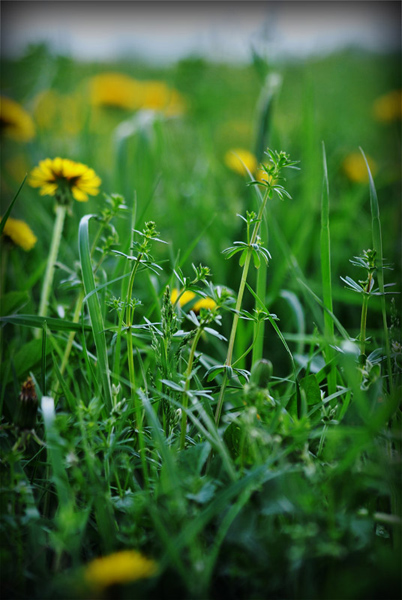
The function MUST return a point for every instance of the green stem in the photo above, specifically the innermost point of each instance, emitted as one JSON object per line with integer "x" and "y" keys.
{"x": 187, "y": 387}
{"x": 236, "y": 317}
{"x": 54, "y": 250}
{"x": 363, "y": 324}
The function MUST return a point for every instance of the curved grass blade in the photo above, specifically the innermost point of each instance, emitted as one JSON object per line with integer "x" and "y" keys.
{"x": 8, "y": 211}
{"x": 94, "y": 308}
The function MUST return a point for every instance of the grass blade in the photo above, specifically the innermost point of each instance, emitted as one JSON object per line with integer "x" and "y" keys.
{"x": 326, "y": 275}
{"x": 94, "y": 308}
{"x": 8, "y": 211}
{"x": 377, "y": 246}
{"x": 38, "y": 322}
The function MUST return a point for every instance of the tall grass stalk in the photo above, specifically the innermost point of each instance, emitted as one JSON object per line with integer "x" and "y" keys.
{"x": 228, "y": 361}
{"x": 326, "y": 276}
{"x": 377, "y": 247}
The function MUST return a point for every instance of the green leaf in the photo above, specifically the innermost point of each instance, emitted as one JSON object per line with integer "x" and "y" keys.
{"x": 52, "y": 323}
{"x": 94, "y": 308}
{"x": 243, "y": 257}
{"x": 309, "y": 385}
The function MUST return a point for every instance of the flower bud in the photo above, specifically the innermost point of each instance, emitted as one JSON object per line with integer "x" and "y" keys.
{"x": 27, "y": 406}
{"x": 261, "y": 373}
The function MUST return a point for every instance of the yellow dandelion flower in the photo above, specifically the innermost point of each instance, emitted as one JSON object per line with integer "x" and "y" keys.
{"x": 63, "y": 177}
{"x": 116, "y": 89}
{"x": 121, "y": 567}
{"x": 388, "y": 108}
{"x": 239, "y": 160}
{"x": 207, "y": 303}
{"x": 355, "y": 168}
{"x": 184, "y": 298}
{"x": 188, "y": 296}
{"x": 158, "y": 96}
{"x": 15, "y": 122}
{"x": 20, "y": 233}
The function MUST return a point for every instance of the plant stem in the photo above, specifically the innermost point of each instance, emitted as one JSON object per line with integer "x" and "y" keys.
{"x": 236, "y": 317}
{"x": 187, "y": 387}
{"x": 54, "y": 250}
{"x": 363, "y": 324}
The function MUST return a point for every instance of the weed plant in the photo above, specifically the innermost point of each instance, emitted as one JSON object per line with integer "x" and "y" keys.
{"x": 165, "y": 434}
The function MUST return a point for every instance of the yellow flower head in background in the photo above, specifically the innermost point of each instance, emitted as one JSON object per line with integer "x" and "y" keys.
{"x": 207, "y": 303}
{"x": 239, "y": 160}
{"x": 20, "y": 233}
{"x": 355, "y": 167}
{"x": 62, "y": 177}
{"x": 388, "y": 108}
{"x": 122, "y": 91}
{"x": 121, "y": 567}
{"x": 158, "y": 96}
{"x": 115, "y": 89}
{"x": 15, "y": 122}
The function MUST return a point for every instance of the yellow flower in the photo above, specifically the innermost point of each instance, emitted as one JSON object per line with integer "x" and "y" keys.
{"x": 239, "y": 160}
{"x": 158, "y": 96}
{"x": 355, "y": 167}
{"x": 389, "y": 107}
{"x": 121, "y": 567}
{"x": 184, "y": 298}
{"x": 15, "y": 122}
{"x": 20, "y": 233}
{"x": 207, "y": 303}
{"x": 115, "y": 89}
{"x": 188, "y": 296}
{"x": 61, "y": 176}
{"x": 122, "y": 91}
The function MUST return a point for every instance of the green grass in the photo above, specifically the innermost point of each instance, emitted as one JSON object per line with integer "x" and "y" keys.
{"x": 294, "y": 491}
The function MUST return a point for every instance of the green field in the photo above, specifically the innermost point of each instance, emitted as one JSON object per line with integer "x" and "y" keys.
{"x": 249, "y": 449}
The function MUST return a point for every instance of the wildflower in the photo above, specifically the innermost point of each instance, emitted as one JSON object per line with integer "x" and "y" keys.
{"x": 158, "y": 96}
{"x": 122, "y": 91}
{"x": 121, "y": 567}
{"x": 355, "y": 167}
{"x": 62, "y": 177}
{"x": 388, "y": 108}
{"x": 15, "y": 122}
{"x": 115, "y": 89}
{"x": 239, "y": 160}
{"x": 20, "y": 233}
{"x": 207, "y": 303}
{"x": 186, "y": 297}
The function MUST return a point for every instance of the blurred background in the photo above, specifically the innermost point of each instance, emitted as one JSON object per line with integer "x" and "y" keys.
{"x": 163, "y": 99}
